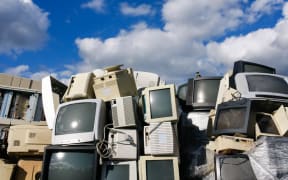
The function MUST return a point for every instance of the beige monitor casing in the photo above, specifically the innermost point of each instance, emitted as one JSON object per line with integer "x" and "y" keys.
{"x": 80, "y": 87}
{"x": 28, "y": 169}
{"x": 115, "y": 84}
{"x": 28, "y": 139}
{"x": 281, "y": 120}
{"x": 6, "y": 170}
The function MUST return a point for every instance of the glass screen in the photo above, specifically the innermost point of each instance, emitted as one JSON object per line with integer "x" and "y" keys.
{"x": 75, "y": 118}
{"x": 71, "y": 165}
{"x": 231, "y": 119}
{"x": 266, "y": 124}
{"x": 117, "y": 172}
{"x": 159, "y": 170}
{"x": 160, "y": 103}
{"x": 255, "y": 68}
{"x": 205, "y": 91}
{"x": 265, "y": 83}
{"x": 236, "y": 168}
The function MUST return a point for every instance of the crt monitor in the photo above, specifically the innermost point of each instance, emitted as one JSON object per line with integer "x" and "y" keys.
{"x": 262, "y": 85}
{"x": 236, "y": 167}
{"x": 158, "y": 168}
{"x": 117, "y": 170}
{"x": 70, "y": 162}
{"x": 246, "y": 66}
{"x": 79, "y": 121}
{"x": 235, "y": 117}
{"x": 202, "y": 92}
{"x": 160, "y": 104}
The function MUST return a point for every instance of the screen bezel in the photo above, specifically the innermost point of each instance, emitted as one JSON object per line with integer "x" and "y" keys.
{"x": 218, "y": 165}
{"x": 147, "y": 116}
{"x": 95, "y": 134}
{"x": 250, "y": 118}
{"x": 132, "y": 168}
{"x": 190, "y": 95}
{"x": 242, "y": 86}
{"x": 142, "y": 165}
{"x": 259, "y": 133}
{"x": 57, "y": 148}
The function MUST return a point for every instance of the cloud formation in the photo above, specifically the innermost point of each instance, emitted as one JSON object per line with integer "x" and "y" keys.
{"x": 96, "y": 5}
{"x": 185, "y": 44}
{"x": 23, "y": 26}
{"x": 140, "y": 10}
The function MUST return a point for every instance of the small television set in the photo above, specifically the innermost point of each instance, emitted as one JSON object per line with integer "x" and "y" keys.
{"x": 160, "y": 104}
{"x": 115, "y": 170}
{"x": 70, "y": 162}
{"x": 202, "y": 92}
{"x": 262, "y": 85}
{"x": 234, "y": 117}
{"x": 245, "y": 66}
{"x": 158, "y": 168}
{"x": 236, "y": 167}
{"x": 79, "y": 121}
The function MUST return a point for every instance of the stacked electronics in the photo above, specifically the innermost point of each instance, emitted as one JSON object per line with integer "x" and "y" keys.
{"x": 24, "y": 132}
{"x": 251, "y": 108}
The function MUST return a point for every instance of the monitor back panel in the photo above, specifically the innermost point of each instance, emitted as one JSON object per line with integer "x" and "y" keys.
{"x": 28, "y": 139}
{"x": 160, "y": 139}
{"x": 227, "y": 143}
{"x": 6, "y": 170}
{"x": 80, "y": 87}
{"x": 123, "y": 112}
{"x": 115, "y": 84}
{"x": 124, "y": 144}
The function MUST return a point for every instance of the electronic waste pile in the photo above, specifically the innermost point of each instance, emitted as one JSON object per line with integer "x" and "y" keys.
{"x": 116, "y": 123}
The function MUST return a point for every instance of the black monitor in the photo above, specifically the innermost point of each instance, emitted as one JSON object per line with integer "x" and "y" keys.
{"x": 70, "y": 162}
{"x": 245, "y": 66}
{"x": 236, "y": 167}
{"x": 235, "y": 117}
{"x": 202, "y": 92}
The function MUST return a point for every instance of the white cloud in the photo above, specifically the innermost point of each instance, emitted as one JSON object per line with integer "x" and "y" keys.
{"x": 23, "y": 26}
{"x": 96, "y": 5}
{"x": 180, "y": 49}
{"x": 17, "y": 71}
{"x": 285, "y": 10}
{"x": 140, "y": 10}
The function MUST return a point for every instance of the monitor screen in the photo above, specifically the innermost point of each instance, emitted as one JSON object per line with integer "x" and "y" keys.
{"x": 70, "y": 162}
{"x": 159, "y": 170}
{"x": 266, "y": 83}
{"x": 117, "y": 172}
{"x": 160, "y": 103}
{"x": 205, "y": 91}
{"x": 202, "y": 92}
{"x": 75, "y": 118}
{"x": 236, "y": 167}
{"x": 231, "y": 119}
{"x": 266, "y": 124}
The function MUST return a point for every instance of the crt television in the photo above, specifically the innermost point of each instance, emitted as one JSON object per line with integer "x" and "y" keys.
{"x": 202, "y": 92}
{"x": 79, "y": 121}
{"x": 115, "y": 170}
{"x": 235, "y": 117}
{"x": 158, "y": 168}
{"x": 236, "y": 167}
{"x": 246, "y": 66}
{"x": 160, "y": 104}
{"x": 262, "y": 85}
{"x": 70, "y": 162}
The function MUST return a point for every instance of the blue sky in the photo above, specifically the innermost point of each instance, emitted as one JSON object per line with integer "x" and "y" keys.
{"x": 174, "y": 38}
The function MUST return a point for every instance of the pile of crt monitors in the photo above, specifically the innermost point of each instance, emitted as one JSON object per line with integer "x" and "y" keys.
{"x": 243, "y": 135}
{"x": 23, "y": 130}
{"x": 112, "y": 123}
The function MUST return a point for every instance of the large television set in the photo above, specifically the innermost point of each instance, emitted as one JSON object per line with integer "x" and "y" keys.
{"x": 202, "y": 92}
{"x": 70, "y": 162}
{"x": 246, "y": 66}
{"x": 262, "y": 85}
{"x": 236, "y": 167}
{"x": 160, "y": 104}
{"x": 115, "y": 170}
{"x": 235, "y": 117}
{"x": 158, "y": 168}
{"x": 79, "y": 121}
